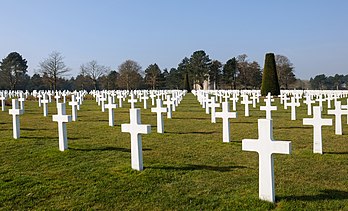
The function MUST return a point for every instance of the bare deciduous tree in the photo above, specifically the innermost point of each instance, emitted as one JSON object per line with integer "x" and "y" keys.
{"x": 53, "y": 67}
{"x": 130, "y": 75}
{"x": 94, "y": 71}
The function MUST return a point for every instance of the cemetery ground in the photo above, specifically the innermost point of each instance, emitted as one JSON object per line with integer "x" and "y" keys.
{"x": 187, "y": 167}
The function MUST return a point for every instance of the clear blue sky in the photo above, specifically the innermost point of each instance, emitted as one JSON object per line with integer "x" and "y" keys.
{"x": 313, "y": 34}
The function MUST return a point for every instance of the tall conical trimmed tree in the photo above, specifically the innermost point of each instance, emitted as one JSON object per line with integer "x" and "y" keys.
{"x": 269, "y": 78}
{"x": 187, "y": 83}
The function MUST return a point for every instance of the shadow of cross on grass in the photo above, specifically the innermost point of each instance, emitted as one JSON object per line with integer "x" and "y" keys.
{"x": 108, "y": 148}
{"x": 192, "y": 167}
{"x": 326, "y": 194}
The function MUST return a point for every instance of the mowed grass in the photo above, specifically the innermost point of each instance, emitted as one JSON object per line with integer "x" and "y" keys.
{"x": 186, "y": 168}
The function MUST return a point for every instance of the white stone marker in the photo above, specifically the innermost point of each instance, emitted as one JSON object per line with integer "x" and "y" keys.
{"x": 246, "y": 103}
{"x": 309, "y": 102}
{"x": 213, "y": 105}
{"x": 293, "y": 106}
{"x": 226, "y": 115}
{"x": 169, "y": 104}
{"x": 132, "y": 101}
{"x": 317, "y": 123}
{"x": 45, "y": 101}
{"x": 120, "y": 99}
{"x": 15, "y": 112}
{"x": 159, "y": 110}
{"x": 62, "y": 119}
{"x": 102, "y": 99}
{"x": 111, "y": 106}
{"x": 135, "y": 128}
{"x": 268, "y": 108}
{"x": 74, "y": 103}
{"x": 3, "y": 99}
{"x": 266, "y": 147}
{"x": 234, "y": 100}
{"x": 145, "y": 98}
{"x": 338, "y": 112}
{"x": 21, "y": 101}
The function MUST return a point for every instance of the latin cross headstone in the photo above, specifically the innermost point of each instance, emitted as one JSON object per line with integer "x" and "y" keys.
{"x": 308, "y": 101}
{"x": 3, "y": 99}
{"x": 145, "y": 98}
{"x": 135, "y": 128}
{"x": 317, "y": 123}
{"x": 120, "y": 99}
{"x": 169, "y": 104}
{"x": 111, "y": 106}
{"x": 102, "y": 100}
{"x": 266, "y": 147}
{"x": 293, "y": 104}
{"x": 74, "y": 103}
{"x": 234, "y": 100}
{"x": 338, "y": 112}
{"x": 21, "y": 101}
{"x": 45, "y": 101}
{"x": 226, "y": 115}
{"x": 132, "y": 100}
{"x": 62, "y": 119}
{"x": 246, "y": 103}
{"x": 213, "y": 105}
{"x": 268, "y": 108}
{"x": 159, "y": 110}
{"x": 15, "y": 112}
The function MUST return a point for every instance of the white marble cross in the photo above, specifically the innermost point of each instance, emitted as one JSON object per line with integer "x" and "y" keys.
{"x": 338, "y": 112}
{"x": 317, "y": 123}
{"x": 145, "y": 98}
{"x": 159, "y": 110}
{"x": 132, "y": 101}
{"x": 268, "y": 107}
{"x": 45, "y": 101}
{"x": 169, "y": 104}
{"x": 213, "y": 105}
{"x": 226, "y": 115}
{"x": 293, "y": 106}
{"x": 21, "y": 101}
{"x": 308, "y": 101}
{"x": 266, "y": 147}
{"x": 74, "y": 103}
{"x": 3, "y": 99}
{"x": 120, "y": 99}
{"x": 102, "y": 100}
{"x": 135, "y": 128}
{"x": 234, "y": 100}
{"x": 246, "y": 103}
{"x": 15, "y": 112}
{"x": 62, "y": 119}
{"x": 111, "y": 106}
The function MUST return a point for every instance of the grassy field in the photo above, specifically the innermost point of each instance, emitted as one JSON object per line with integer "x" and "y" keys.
{"x": 186, "y": 168}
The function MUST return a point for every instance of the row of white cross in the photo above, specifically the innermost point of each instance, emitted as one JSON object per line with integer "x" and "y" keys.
{"x": 265, "y": 145}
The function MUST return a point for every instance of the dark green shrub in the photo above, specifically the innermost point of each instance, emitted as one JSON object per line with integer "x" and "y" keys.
{"x": 269, "y": 78}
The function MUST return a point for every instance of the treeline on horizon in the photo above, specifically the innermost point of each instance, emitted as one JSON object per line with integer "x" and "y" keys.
{"x": 191, "y": 73}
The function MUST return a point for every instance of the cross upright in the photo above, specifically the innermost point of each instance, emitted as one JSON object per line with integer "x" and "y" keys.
{"x": 293, "y": 106}
{"x": 308, "y": 101}
{"x": 102, "y": 100}
{"x": 266, "y": 147}
{"x": 120, "y": 99}
{"x": 21, "y": 100}
{"x": 226, "y": 115}
{"x": 169, "y": 104}
{"x": 39, "y": 96}
{"x": 45, "y": 101}
{"x": 145, "y": 98}
{"x": 62, "y": 119}
{"x": 254, "y": 99}
{"x": 320, "y": 100}
{"x": 110, "y": 105}
{"x": 338, "y": 112}
{"x": 234, "y": 100}
{"x": 285, "y": 101}
{"x": 207, "y": 105}
{"x": 57, "y": 97}
{"x": 246, "y": 103}
{"x": 74, "y": 103}
{"x": 268, "y": 108}
{"x": 3, "y": 99}
{"x": 213, "y": 105}
{"x": 317, "y": 123}
{"x": 135, "y": 128}
{"x": 132, "y": 100}
{"x": 159, "y": 110}
{"x": 15, "y": 112}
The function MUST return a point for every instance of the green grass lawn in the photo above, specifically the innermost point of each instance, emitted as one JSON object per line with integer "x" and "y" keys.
{"x": 186, "y": 168}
